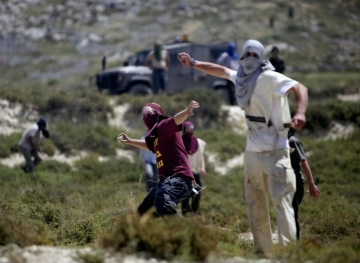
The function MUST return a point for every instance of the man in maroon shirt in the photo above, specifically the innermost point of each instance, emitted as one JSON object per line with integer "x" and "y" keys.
{"x": 164, "y": 139}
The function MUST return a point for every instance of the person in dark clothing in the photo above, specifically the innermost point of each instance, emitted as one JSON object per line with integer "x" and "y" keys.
{"x": 277, "y": 62}
{"x": 175, "y": 175}
{"x": 298, "y": 161}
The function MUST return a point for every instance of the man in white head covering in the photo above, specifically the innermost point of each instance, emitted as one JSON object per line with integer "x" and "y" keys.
{"x": 262, "y": 94}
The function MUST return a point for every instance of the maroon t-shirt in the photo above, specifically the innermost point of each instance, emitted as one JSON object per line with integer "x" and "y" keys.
{"x": 170, "y": 151}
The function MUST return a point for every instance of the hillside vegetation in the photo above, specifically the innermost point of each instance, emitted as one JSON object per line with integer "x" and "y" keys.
{"x": 50, "y": 49}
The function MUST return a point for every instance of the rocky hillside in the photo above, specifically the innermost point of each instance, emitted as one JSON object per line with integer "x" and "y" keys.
{"x": 321, "y": 35}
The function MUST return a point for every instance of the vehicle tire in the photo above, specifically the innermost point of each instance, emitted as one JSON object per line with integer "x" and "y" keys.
{"x": 140, "y": 90}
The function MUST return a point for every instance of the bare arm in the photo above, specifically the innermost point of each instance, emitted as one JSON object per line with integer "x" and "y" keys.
{"x": 314, "y": 191}
{"x": 141, "y": 144}
{"x": 301, "y": 94}
{"x": 206, "y": 67}
{"x": 33, "y": 145}
{"x": 203, "y": 170}
{"x": 180, "y": 117}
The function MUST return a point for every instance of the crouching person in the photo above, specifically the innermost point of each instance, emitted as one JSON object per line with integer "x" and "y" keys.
{"x": 29, "y": 144}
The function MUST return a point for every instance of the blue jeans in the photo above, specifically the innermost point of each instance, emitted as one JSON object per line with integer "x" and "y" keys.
{"x": 159, "y": 78}
{"x": 166, "y": 195}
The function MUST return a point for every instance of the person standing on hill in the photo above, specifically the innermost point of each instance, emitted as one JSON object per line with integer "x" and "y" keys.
{"x": 298, "y": 161}
{"x": 262, "y": 94}
{"x": 29, "y": 144}
{"x": 195, "y": 148}
{"x": 175, "y": 175}
{"x": 158, "y": 60}
{"x": 230, "y": 59}
{"x": 276, "y": 61}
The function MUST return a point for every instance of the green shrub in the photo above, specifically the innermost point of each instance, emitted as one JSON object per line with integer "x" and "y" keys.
{"x": 330, "y": 225}
{"x": 48, "y": 213}
{"x": 48, "y": 146}
{"x": 9, "y": 144}
{"x": 21, "y": 232}
{"x": 320, "y": 115}
{"x": 52, "y": 166}
{"x": 172, "y": 238}
{"x": 316, "y": 250}
{"x": 83, "y": 106}
{"x": 91, "y": 169}
{"x": 78, "y": 232}
{"x": 96, "y": 138}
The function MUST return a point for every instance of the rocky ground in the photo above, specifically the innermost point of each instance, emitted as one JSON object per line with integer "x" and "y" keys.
{"x": 117, "y": 28}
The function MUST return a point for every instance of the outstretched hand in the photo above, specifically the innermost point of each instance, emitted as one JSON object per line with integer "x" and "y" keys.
{"x": 123, "y": 138}
{"x": 193, "y": 105}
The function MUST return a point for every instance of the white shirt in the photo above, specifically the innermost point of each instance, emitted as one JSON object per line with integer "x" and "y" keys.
{"x": 159, "y": 64}
{"x": 269, "y": 100}
{"x": 195, "y": 159}
{"x": 35, "y": 135}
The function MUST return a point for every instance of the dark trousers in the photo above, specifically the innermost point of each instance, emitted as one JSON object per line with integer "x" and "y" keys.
{"x": 159, "y": 78}
{"x": 231, "y": 91}
{"x": 166, "y": 195}
{"x": 151, "y": 175}
{"x": 29, "y": 155}
{"x": 195, "y": 199}
{"x": 298, "y": 196}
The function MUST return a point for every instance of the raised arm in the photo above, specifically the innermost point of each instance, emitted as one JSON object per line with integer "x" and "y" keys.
{"x": 206, "y": 67}
{"x": 301, "y": 94}
{"x": 180, "y": 117}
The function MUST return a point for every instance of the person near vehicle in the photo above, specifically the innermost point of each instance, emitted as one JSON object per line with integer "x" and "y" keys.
{"x": 164, "y": 139}
{"x": 195, "y": 148}
{"x": 158, "y": 60}
{"x": 298, "y": 161}
{"x": 262, "y": 94}
{"x": 29, "y": 144}
{"x": 276, "y": 61}
{"x": 148, "y": 163}
{"x": 230, "y": 59}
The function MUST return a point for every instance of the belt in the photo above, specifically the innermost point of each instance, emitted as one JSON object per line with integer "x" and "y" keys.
{"x": 263, "y": 120}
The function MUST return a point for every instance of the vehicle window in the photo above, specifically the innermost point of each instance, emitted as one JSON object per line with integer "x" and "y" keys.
{"x": 141, "y": 58}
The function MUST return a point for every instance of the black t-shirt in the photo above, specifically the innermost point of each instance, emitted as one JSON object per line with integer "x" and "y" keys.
{"x": 296, "y": 154}
{"x": 278, "y": 64}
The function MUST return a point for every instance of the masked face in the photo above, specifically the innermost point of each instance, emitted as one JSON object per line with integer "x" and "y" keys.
{"x": 250, "y": 64}
{"x": 188, "y": 130}
{"x": 150, "y": 118}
